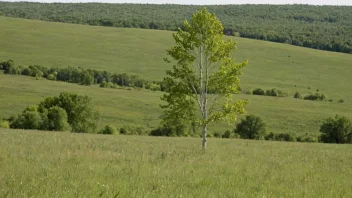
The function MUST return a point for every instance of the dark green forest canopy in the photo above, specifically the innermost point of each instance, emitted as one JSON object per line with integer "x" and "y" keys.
{"x": 319, "y": 27}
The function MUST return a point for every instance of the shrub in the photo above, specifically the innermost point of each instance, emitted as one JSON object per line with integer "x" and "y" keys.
{"x": 134, "y": 130}
{"x": 108, "y": 130}
{"x": 288, "y": 137}
{"x": 271, "y": 92}
{"x": 4, "y": 124}
{"x": 252, "y": 127}
{"x": 29, "y": 119}
{"x": 315, "y": 96}
{"x": 306, "y": 138}
{"x": 86, "y": 78}
{"x": 171, "y": 131}
{"x": 57, "y": 119}
{"x": 259, "y": 92}
{"x": 281, "y": 93}
{"x": 227, "y": 134}
{"x": 336, "y": 130}
{"x": 80, "y": 112}
{"x": 217, "y": 135}
{"x": 297, "y": 95}
{"x": 341, "y": 101}
{"x": 7, "y": 65}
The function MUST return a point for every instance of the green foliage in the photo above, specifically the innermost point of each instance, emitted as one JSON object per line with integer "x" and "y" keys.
{"x": 80, "y": 113}
{"x": 270, "y": 92}
{"x": 316, "y": 96}
{"x": 179, "y": 131}
{"x": 341, "y": 101}
{"x": 108, "y": 130}
{"x": 86, "y": 78}
{"x": 336, "y": 130}
{"x": 297, "y": 95}
{"x": 319, "y": 27}
{"x": 81, "y": 76}
{"x": 259, "y": 92}
{"x": 4, "y": 123}
{"x": 288, "y": 137}
{"x": 227, "y": 134}
{"x": 133, "y": 130}
{"x": 307, "y": 138}
{"x": 57, "y": 119}
{"x": 30, "y": 118}
{"x": 203, "y": 62}
{"x": 62, "y": 113}
{"x": 252, "y": 127}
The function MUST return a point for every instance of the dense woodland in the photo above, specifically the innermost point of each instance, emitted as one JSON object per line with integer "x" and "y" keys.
{"x": 319, "y": 27}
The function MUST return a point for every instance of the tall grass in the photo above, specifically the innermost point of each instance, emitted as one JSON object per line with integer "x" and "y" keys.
{"x": 54, "y": 164}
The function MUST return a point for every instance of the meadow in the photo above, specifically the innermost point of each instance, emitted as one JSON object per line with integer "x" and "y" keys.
{"x": 123, "y": 107}
{"x": 136, "y": 51}
{"x": 59, "y": 164}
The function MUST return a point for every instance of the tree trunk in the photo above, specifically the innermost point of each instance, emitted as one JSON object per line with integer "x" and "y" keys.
{"x": 204, "y": 137}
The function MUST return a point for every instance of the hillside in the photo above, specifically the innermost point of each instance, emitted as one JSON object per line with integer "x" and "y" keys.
{"x": 136, "y": 51}
{"x": 47, "y": 164}
{"x": 319, "y": 27}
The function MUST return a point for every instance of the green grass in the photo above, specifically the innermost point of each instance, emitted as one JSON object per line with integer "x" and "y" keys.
{"x": 136, "y": 51}
{"x": 55, "y": 164}
{"x": 121, "y": 107}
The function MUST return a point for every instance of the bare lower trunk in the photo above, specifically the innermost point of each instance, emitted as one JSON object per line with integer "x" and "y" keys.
{"x": 204, "y": 137}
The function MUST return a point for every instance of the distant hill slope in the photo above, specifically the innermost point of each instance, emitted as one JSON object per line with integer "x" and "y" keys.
{"x": 319, "y": 27}
{"x": 136, "y": 51}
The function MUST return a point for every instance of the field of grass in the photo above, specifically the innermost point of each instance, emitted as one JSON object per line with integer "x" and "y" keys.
{"x": 136, "y": 51}
{"x": 55, "y": 164}
{"x": 121, "y": 107}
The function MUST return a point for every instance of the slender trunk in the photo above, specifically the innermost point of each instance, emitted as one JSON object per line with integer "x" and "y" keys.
{"x": 204, "y": 137}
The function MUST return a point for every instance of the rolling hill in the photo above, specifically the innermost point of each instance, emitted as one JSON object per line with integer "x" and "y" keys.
{"x": 136, "y": 51}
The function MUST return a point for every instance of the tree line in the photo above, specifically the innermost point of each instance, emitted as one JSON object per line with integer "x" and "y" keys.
{"x": 319, "y": 27}
{"x": 82, "y": 76}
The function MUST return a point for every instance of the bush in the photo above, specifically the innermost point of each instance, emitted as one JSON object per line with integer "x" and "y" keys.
{"x": 7, "y": 65}
{"x": 170, "y": 131}
{"x": 341, "y": 101}
{"x": 336, "y": 130}
{"x": 252, "y": 127}
{"x": 259, "y": 92}
{"x": 80, "y": 112}
{"x": 4, "y": 124}
{"x": 297, "y": 95}
{"x": 281, "y": 93}
{"x": 306, "y": 138}
{"x": 271, "y": 92}
{"x": 134, "y": 130}
{"x": 288, "y": 137}
{"x": 315, "y": 96}
{"x": 108, "y": 130}
{"x": 29, "y": 119}
{"x": 57, "y": 119}
{"x": 227, "y": 134}
{"x": 86, "y": 78}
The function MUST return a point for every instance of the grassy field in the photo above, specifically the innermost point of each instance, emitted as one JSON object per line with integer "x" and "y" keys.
{"x": 50, "y": 164}
{"x": 141, "y": 107}
{"x": 136, "y": 51}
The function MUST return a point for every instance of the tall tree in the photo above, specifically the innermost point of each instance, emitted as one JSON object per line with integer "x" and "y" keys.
{"x": 204, "y": 75}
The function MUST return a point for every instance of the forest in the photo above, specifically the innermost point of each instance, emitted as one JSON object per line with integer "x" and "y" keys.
{"x": 319, "y": 27}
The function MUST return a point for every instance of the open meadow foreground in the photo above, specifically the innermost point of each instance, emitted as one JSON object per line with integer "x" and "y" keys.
{"x": 94, "y": 104}
{"x": 47, "y": 164}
